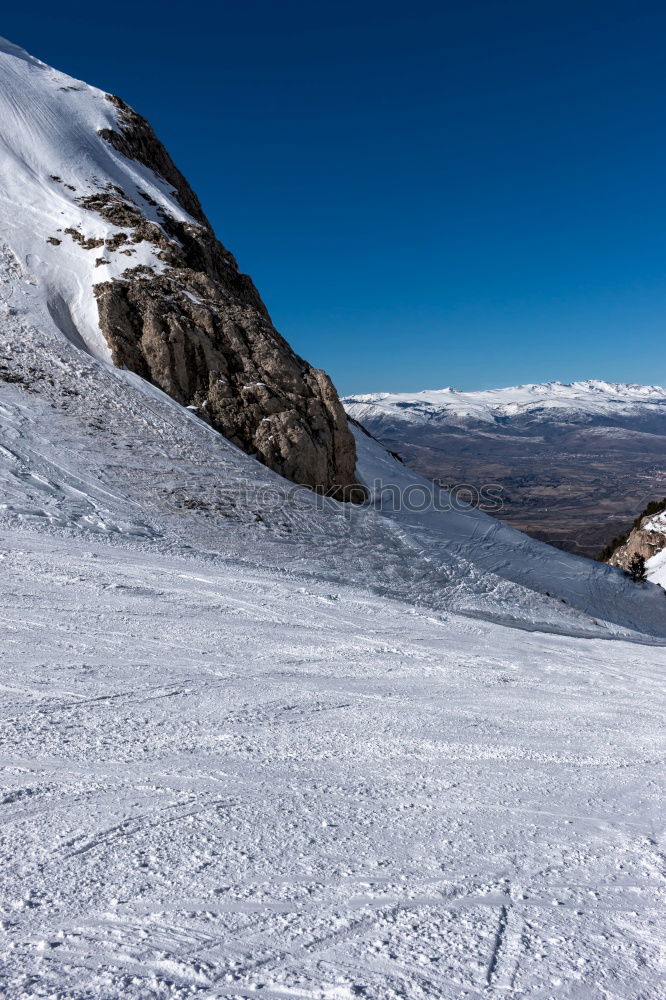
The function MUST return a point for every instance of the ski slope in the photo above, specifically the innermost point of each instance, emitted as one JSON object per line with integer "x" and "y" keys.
{"x": 219, "y": 780}
{"x": 89, "y": 449}
{"x": 255, "y": 741}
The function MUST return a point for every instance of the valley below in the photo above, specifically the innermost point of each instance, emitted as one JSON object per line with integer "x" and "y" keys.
{"x": 574, "y": 480}
{"x": 576, "y": 489}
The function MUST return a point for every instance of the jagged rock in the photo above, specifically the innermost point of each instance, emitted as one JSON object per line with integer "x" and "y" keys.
{"x": 201, "y": 333}
{"x": 134, "y": 274}
{"x": 137, "y": 141}
{"x": 646, "y": 539}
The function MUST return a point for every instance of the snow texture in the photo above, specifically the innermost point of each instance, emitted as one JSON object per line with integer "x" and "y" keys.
{"x": 296, "y": 747}
{"x": 656, "y": 566}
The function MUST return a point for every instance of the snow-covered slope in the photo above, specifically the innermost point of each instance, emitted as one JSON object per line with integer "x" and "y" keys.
{"x": 547, "y": 401}
{"x": 122, "y": 262}
{"x": 249, "y": 742}
{"x": 93, "y": 449}
{"x": 656, "y": 565}
{"x": 51, "y": 159}
{"x": 222, "y": 781}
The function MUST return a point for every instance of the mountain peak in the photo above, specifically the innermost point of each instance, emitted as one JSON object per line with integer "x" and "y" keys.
{"x": 119, "y": 258}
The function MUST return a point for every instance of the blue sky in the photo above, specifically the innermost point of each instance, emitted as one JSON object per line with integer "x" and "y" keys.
{"x": 426, "y": 194}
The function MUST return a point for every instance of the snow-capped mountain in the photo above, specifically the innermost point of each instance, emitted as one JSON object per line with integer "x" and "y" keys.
{"x": 123, "y": 263}
{"x": 546, "y": 401}
{"x": 254, "y": 739}
{"x": 574, "y": 461}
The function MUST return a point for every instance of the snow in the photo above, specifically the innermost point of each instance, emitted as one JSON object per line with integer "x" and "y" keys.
{"x": 656, "y": 523}
{"x": 218, "y": 782}
{"x": 296, "y": 746}
{"x": 95, "y": 449}
{"x": 593, "y": 397}
{"x": 49, "y": 125}
{"x": 255, "y": 740}
{"x": 656, "y": 568}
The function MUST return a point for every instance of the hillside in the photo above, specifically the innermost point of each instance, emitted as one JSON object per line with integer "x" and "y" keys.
{"x": 122, "y": 260}
{"x": 257, "y": 739}
{"x": 574, "y": 462}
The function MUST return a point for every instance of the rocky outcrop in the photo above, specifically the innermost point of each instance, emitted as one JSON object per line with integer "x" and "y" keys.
{"x": 199, "y": 330}
{"x": 646, "y": 537}
{"x": 136, "y": 140}
{"x": 646, "y": 540}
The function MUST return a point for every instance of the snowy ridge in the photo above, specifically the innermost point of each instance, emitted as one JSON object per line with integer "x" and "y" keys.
{"x": 51, "y": 157}
{"x": 57, "y": 473}
{"x": 96, "y": 215}
{"x": 552, "y": 399}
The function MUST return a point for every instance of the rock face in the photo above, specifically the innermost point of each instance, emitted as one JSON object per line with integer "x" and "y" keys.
{"x": 647, "y": 538}
{"x": 200, "y": 331}
{"x": 116, "y": 255}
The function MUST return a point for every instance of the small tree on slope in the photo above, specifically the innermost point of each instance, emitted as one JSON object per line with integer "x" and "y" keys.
{"x": 636, "y": 568}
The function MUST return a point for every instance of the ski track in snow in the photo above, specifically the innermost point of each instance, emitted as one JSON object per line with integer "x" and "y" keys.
{"x": 211, "y": 788}
{"x": 234, "y": 762}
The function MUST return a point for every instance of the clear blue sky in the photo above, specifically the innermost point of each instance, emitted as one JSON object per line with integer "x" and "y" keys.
{"x": 426, "y": 194}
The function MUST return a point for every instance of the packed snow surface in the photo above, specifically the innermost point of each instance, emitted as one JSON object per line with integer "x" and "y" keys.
{"x": 254, "y": 741}
{"x": 219, "y": 781}
{"x": 552, "y": 399}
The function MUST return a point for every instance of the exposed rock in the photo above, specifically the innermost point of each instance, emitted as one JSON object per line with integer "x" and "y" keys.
{"x": 88, "y": 243}
{"x": 200, "y": 332}
{"x": 137, "y": 141}
{"x": 116, "y": 241}
{"x": 646, "y": 538}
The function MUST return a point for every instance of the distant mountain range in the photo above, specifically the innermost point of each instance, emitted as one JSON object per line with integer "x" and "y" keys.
{"x": 575, "y": 461}
{"x": 543, "y": 401}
